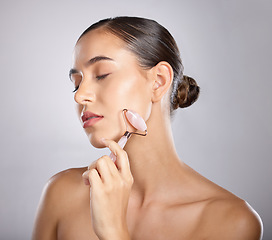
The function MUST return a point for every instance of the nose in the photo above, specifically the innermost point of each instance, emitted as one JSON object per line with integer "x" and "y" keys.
{"x": 84, "y": 94}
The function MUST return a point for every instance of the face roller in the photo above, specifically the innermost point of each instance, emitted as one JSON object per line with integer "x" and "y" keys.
{"x": 137, "y": 122}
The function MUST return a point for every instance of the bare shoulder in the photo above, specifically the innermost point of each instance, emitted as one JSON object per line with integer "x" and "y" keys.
{"x": 58, "y": 193}
{"x": 63, "y": 184}
{"x": 67, "y": 178}
{"x": 231, "y": 218}
{"x": 223, "y": 215}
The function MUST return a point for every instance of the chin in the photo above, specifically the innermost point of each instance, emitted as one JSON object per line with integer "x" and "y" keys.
{"x": 96, "y": 140}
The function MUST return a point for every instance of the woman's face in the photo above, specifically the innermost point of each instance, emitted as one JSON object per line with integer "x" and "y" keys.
{"x": 108, "y": 79}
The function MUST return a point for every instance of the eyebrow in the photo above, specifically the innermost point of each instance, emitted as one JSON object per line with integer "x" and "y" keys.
{"x": 99, "y": 58}
{"x": 90, "y": 62}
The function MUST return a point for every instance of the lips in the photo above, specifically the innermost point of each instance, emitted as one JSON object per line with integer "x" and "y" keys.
{"x": 89, "y": 119}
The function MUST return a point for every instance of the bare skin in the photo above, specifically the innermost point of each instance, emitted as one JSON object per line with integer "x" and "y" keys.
{"x": 149, "y": 193}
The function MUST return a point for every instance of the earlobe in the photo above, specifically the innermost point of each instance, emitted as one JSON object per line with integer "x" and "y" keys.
{"x": 163, "y": 76}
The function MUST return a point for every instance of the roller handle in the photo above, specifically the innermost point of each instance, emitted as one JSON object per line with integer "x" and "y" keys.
{"x": 122, "y": 142}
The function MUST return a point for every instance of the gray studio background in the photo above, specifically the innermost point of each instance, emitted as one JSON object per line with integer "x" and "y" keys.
{"x": 226, "y": 135}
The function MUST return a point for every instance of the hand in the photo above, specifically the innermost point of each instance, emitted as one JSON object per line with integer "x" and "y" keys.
{"x": 109, "y": 193}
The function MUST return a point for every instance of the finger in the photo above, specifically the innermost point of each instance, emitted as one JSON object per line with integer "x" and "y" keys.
{"x": 111, "y": 165}
{"x": 122, "y": 161}
{"x": 92, "y": 165}
{"x": 85, "y": 177}
{"x": 94, "y": 179}
{"x": 105, "y": 168}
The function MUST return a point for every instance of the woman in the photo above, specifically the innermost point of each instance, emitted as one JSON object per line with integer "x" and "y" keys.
{"x": 148, "y": 193}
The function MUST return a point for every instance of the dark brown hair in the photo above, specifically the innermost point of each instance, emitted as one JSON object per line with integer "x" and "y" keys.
{"x": 152, "y": 43}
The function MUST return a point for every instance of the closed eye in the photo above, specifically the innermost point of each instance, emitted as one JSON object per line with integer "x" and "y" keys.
{"x": 100, "y": 77}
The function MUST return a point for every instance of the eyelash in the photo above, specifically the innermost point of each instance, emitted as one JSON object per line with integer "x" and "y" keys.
{"x": 97, "y": 77}
{"x": 102, "y": 76}
{"x": 76, "y": 88}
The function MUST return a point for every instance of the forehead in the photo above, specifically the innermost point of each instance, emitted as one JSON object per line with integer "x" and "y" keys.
{"x": 99, "y": 43}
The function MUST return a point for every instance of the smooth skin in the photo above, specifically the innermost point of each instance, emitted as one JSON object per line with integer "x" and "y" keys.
{"x": 149, "y": 193}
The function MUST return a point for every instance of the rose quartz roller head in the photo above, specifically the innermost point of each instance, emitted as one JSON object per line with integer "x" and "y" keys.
{"x": 137, "y": 122}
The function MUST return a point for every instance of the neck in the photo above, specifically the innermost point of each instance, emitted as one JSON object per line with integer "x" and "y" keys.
{"x": 153, "y": 157}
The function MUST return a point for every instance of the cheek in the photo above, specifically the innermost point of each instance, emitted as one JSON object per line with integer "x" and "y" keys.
{"x": 133, "y": 93}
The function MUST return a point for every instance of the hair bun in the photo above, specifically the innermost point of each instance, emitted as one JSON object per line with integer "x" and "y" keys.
{"x": 187, "y": 92}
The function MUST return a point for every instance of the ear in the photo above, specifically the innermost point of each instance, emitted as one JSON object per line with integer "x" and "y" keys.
{"x": 162, "y": 80}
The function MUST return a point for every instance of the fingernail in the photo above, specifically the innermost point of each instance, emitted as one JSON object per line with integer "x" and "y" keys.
{"x": 85, "y": 174}
{"x": 86, "y": 177}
